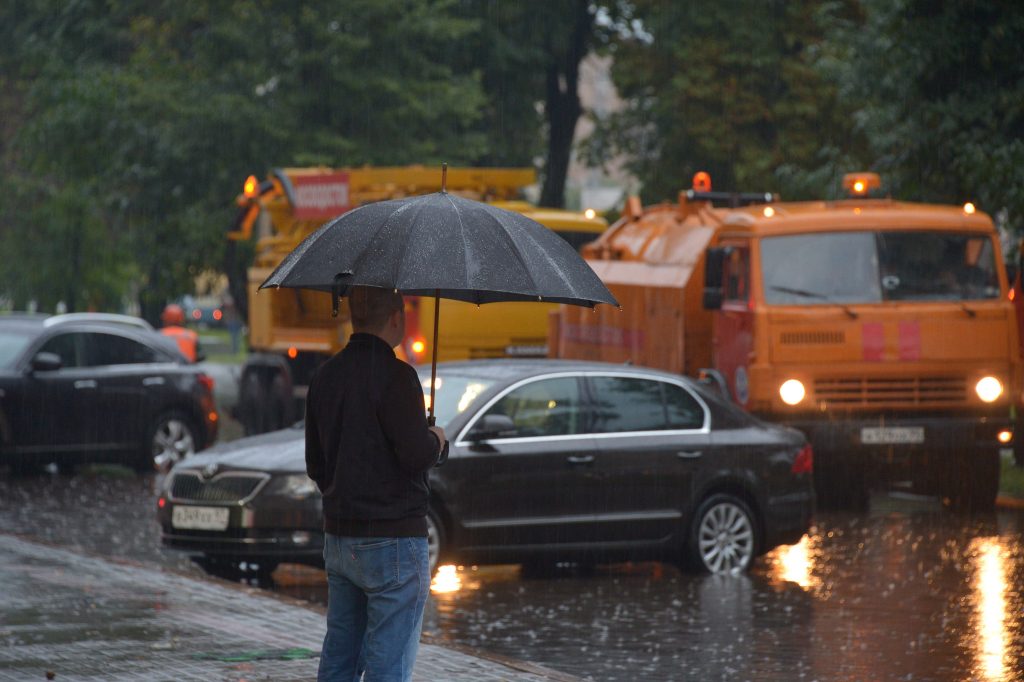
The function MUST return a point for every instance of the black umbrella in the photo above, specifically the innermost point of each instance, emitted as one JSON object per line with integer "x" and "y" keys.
{"x": 445, "y": 246}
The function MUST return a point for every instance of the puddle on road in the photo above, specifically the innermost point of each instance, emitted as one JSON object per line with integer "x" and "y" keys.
{"x": 909, "y": 590}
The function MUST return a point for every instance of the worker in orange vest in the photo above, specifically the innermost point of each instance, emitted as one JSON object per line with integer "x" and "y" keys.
{"x": 173, "y": 318}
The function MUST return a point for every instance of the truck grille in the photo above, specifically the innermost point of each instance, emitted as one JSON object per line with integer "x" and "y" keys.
{"x": 893, "y": 391}
{"x": 231, "y": 487}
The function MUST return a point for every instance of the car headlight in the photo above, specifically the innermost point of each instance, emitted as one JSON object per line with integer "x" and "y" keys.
{"x": 792, "y": 392}
{"x": 296, "y": 486}
{"x": 988, "y": 389}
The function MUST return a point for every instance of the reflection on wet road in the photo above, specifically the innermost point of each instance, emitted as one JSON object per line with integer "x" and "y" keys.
{"x": 906, "y": 591}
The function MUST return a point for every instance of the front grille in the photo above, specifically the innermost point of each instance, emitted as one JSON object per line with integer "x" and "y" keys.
{"x": 226, "y": 488}
{"x": 891, "y": 391}
{"x": 812, "y": 337}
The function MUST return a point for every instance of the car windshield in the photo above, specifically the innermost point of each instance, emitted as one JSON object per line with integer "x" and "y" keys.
{"x": 453, "y": 393}
{"x": 871, "y": 267}
{"x": 12, "y": 344}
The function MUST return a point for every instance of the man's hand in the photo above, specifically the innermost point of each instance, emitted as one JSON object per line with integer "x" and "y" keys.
{"x": 442, "y": 452}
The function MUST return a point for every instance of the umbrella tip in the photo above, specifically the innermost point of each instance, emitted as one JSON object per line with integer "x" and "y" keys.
{"x": 444, "y": 177}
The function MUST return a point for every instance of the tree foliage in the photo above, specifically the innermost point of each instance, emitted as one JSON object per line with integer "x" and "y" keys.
{"x": 729, "y": 88}
{"x": 139, "y": 121}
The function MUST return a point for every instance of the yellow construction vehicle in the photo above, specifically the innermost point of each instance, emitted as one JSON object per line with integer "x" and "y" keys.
{"x": 292, "y": 331}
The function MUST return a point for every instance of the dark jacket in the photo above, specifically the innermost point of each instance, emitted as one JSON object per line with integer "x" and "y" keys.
{"x": 367, "y": 444}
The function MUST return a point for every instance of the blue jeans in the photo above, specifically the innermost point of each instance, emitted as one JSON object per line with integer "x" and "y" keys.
{"x": 377, "y": 588}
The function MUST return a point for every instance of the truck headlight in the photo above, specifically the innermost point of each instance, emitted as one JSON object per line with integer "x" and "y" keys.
{"x": 988, "y": 389}
{"x": 792, "y": 392}
{"x": 296, "y": 486}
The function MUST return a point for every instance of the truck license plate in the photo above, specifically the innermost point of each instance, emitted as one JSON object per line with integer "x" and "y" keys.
{"x": 200, "y": 518}
{"x": 891, "y": 435}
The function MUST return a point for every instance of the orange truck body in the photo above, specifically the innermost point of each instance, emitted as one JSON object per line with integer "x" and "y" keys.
{"x": 799, "y": 291}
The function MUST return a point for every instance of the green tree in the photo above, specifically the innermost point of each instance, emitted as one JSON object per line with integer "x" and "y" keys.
{"x": 730, "y": 88}
{"x": 937, "y": 88}
{"x": 145, "y": 117}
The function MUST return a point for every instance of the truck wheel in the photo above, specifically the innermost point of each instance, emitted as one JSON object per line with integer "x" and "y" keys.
{"x": 839, "y": 485}
{"x": 252, "y": 404}
{"x": 723, "y": 537}
{"x": 279, "y": 401}
{"x": 974, "y": 481}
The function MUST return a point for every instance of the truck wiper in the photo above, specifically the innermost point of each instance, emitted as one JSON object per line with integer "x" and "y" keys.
{"x": 814, "y": 294}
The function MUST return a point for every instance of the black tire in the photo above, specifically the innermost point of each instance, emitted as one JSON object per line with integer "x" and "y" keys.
{"x": 724, "y": 535}
{"x": 172, "y": 437}
{"x": 974, "y": 481}
{"x": 216, "y": 566}
{"x": 436, "y": 539}
{"x": 252, "y": 404}
{"x": 279, "y": 403}
{"x": 839, "y": 484}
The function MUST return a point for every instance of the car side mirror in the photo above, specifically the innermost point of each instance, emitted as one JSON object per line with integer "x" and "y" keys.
{"x": 493, "y": 426}
{"x": 46, "y": 362}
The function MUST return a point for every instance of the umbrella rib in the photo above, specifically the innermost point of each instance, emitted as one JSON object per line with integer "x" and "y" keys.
{"x": 519, "y": 255}
{"x": 357, "y": 265}
{"x": 462, "y": 231}
{"x": 400, "y": 264}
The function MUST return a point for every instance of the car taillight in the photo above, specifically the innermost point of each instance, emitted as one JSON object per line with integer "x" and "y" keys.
{"x": 804, "y": 461}
{"x": 206, "y": 380}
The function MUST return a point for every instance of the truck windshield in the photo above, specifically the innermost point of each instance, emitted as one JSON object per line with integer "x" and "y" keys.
{"x": 871, "y": 267}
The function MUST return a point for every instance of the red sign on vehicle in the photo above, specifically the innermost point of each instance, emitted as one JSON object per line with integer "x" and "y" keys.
{"x": 320, "y": 196}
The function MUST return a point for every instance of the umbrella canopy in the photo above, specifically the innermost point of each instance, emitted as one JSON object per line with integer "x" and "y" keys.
{"x": 442, "y": 245}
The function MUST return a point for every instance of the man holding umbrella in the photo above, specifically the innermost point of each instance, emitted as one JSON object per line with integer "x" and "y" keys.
{"x": 368, "y": 448}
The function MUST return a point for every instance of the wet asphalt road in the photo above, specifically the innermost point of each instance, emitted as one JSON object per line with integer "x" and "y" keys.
{"x": 905, "y": 591}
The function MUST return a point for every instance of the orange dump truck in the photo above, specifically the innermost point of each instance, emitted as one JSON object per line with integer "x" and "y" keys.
{"x": 880, "y": 328}
{"x": 292, "y": 331}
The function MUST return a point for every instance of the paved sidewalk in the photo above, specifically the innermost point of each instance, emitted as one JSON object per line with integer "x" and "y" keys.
{"x": 81, "y": 617}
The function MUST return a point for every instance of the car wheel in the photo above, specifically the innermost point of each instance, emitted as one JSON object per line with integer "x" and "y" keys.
{"x": 435, "y": 540}
{"x": 172, "y": 438}
{"x": 723, "y": 537}
{"x": 252, "y": 404}
{"x": 279, "y": 395}
{"x": 974, "y": 481}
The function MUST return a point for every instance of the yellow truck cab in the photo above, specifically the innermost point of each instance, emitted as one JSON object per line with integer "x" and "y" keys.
{"x": 292, "y": 331}
{"x": 880, "y": 328}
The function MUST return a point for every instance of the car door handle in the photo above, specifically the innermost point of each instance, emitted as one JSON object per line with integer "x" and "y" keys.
{"x": 153, "y": 381}
{"x": 580, "y": 459}
{"x": 85, "y": 383}
{"x": 689, "y": 454}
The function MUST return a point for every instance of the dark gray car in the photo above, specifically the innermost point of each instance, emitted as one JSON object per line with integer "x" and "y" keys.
{"x": 550, "y": 461}
{"x": 84, "y": 387}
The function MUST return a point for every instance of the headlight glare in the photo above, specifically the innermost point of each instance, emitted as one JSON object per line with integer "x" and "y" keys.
{"x": 988, "y": 389}
{"x": 792, "y": 392}
{"x": 297, "y": 486}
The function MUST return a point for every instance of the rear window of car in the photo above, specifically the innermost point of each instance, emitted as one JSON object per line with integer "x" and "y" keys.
{"x": 12, "y": 345}
{"x": 623, "y": 404}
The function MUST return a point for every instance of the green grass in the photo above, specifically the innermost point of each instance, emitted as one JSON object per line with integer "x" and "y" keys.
{"x": 1011, "y": 480}
{"x": 216, "y": 344}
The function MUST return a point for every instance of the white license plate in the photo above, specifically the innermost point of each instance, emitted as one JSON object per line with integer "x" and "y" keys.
{"x": 891, "y": 435}
{"x": 200, "y": 518}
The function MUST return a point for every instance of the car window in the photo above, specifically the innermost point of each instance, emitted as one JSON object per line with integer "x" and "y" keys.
{"x": 548, "y": 407}
{"x": 684, "y": 412}
{"x": 627, "y": 404}
{"x": 111, "y": 349}
{"x": 11, "y": 346}
{"x": 67, "y": 346}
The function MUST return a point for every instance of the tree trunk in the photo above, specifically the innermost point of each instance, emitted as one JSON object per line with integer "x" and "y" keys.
{"x": 562, "y": 103}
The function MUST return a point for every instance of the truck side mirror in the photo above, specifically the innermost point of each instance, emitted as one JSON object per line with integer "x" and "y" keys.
{"x": 714, "y": 270}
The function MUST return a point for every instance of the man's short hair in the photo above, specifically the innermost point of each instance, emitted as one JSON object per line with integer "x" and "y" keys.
{"x": 371, "y": 306}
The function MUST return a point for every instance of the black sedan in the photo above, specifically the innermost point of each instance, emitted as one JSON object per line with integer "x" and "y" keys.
{"x": 550, "y": 461}
{"x": 83, "y": 388}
